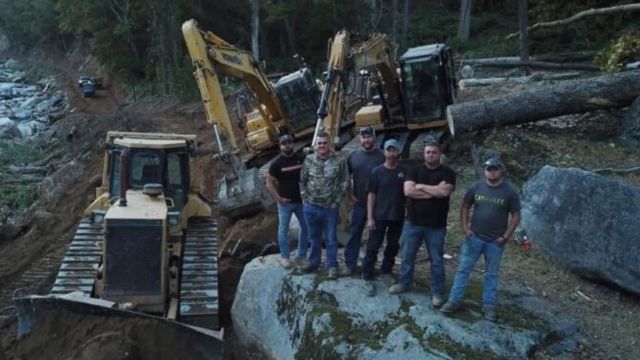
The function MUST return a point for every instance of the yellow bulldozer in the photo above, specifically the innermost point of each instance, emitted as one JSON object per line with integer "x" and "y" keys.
{"x": 147, "y": 247}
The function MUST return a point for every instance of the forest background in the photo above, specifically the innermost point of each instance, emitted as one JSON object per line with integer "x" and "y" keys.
{"x": 139, "y": 44}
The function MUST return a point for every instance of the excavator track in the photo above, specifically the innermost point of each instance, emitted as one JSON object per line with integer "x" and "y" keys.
{"x": 199, "y": 278}
{"x": 78, "y": 269}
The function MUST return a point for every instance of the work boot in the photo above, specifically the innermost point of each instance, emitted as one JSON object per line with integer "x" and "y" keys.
{"x": 489, "y": 313}
{"x": 307, "y": 267}
{"x": 369, "y": 288}
{"x": 450, "y": 307}
{"x": 437, "y": 301}
{"x": 301, "y": 262}
{"x": 333, "y": 273}
{"x": 347, "y": 271}
{"x": 285, "y": 263}
{"x": 397, "y": 289}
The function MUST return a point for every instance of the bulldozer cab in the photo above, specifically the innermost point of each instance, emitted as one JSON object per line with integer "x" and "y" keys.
{"x": 428, "y": 81}
{"x": 166, "y": 166}
{"x": 299, "y": 96}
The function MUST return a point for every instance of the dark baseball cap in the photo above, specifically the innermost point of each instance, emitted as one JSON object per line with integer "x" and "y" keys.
{"x": 391, "y": 143}
{"x": 493, "y": 162}
{"x": 285, "y": 138}
{"x": 367, "y": 130}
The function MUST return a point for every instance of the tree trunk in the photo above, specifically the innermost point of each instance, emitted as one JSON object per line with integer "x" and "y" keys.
{"x": 291, "y": 38}
{"x": 255, "y": 29}
{"x": 569, "y": 97}
{"x": 405, "y": 22}
{"x": 394, "y": 20}
{"x": 524, "y": 32}
{"x": 465, "y": 20}
{"x": 507, "y": 62}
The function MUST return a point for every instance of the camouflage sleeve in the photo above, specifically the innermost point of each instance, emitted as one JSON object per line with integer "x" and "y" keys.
{"x": 343, "y": 182}
{"x": 303, "y": 181}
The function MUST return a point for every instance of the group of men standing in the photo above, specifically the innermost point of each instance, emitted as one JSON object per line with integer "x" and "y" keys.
{"x": 392, "y": 202}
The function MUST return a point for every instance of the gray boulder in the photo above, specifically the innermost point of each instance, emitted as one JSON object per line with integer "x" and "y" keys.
{"x": 631, "y": 124}
{"x": 8, "y": 129}
{"x": 586, "y": 222}
{"x": 288, "y": 315}
{"x": 54, "y": 187}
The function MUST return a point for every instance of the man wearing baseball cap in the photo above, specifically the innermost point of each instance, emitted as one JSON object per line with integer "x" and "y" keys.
{"x": 492, "y": 200}
{"x": 283, "y": 181}
{"x": 360, "y": 163}
{"x": 385, "y": 213}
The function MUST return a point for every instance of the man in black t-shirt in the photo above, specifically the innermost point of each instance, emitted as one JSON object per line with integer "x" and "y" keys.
{"x": 428, "y": 188}
{"x": 283, "y": 181}
{"x": 385, "y": 213}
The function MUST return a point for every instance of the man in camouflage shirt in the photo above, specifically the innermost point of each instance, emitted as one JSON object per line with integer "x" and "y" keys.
{"x": 323, "y": 185}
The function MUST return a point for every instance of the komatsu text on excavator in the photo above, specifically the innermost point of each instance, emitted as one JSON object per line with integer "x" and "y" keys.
{"x": 286, "y": 107}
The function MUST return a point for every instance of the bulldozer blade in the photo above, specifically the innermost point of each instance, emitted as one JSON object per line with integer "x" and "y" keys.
{"x": 243, "y": 196}
{"x": 53, "y": 314}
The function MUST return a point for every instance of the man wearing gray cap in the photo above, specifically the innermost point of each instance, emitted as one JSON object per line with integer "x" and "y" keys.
{"x": 385, "y": 213}
{"x": 492, "y": 200}
{"x": 360, "y": 163}
{"x": 283, "y": 181}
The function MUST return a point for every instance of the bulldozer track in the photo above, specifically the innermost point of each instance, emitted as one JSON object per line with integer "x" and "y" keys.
{"x": 199, "y": 279}
{"x": 78, "y": 268}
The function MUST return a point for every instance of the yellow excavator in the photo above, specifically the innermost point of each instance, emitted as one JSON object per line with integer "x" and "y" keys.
{"x": 412, "y": 91}
{"x": 147, "y": 248}
{"x": 288, "y": 106}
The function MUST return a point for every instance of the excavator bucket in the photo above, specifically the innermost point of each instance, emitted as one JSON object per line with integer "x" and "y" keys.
{"x": 87, "y": 328}
{"x": 243, "y": 196}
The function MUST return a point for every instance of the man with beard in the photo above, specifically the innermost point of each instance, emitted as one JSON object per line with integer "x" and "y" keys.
{"x": 385, "y": 212}
{"x": 360, "y": 163}
{"x": 492, "y": 200}
{"x": 283, "y": 181}
{"x": 427, "y": 187}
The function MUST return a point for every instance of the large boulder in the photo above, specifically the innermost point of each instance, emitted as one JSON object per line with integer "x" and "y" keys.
{"x": 586, "y": 222}
{"x": 287, "y": 315}
{"x": 631, "y": 124}
{"x": 53, "y": 187}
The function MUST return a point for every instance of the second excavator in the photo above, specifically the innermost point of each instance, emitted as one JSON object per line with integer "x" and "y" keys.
{"x": 288, "y": 106}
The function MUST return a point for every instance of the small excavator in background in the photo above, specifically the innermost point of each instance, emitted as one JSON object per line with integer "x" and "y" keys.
{"x": 288, "y": 106}
{"x": 413, "y": 91}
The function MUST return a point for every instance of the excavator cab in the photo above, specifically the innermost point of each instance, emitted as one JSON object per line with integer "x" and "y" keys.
{"x": 428, "y": 82}
{"x": 300, "y": 96}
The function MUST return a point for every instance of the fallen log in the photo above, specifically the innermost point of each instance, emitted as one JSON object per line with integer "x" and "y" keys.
{"x": 467, "y": 83}
{"x": 568, "y": 97}
{"x": 7, "y": 179}
{"x": 29, "y": 169}
{"x": 508, "y": 62}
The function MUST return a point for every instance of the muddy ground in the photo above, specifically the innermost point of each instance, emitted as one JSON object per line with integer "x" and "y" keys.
{"x": 609, "y": 318}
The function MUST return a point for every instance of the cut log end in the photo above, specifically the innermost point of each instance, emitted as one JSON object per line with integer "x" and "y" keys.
{"x": 450, "y": 122}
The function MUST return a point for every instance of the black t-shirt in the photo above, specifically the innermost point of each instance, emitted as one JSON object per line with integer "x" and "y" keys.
{"x": 429, "y": 212}
{"x": 360, "y": 164}
{"x": 286, "y": 169}
{"x": 491, "y": 208}
{"x": 388, "y": 186}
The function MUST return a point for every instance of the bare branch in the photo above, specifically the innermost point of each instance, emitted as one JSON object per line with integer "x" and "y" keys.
{"x": 579, "y": 16}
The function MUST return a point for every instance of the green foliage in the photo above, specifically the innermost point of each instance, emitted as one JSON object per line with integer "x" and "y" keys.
{"x": 29, "y": 22}
{"x": 619, "y": 52}
{"x": 17, "y": 153}
{"x": 19, "y": 197}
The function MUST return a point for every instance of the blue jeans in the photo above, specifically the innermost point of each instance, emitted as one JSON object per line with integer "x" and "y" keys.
{"x": 472, "y": 248}
{"x": 358, "y": 221}
{"x": 392, "y": 229}
{"x": 285, "y": 210}
{"x": 412, "y": 237}
{"x": 321, "y": 219}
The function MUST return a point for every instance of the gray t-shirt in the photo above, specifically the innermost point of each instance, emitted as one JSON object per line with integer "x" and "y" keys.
{"x": 491, "y": 208}
{"x": 360, "y": 164}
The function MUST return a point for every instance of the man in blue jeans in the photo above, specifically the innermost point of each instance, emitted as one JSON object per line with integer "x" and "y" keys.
{"x": 427, "y": 188}
{"x": 492, "y": 200}
{"x": 323, "y": 185}
{"x": 283, "y": 181}
{"x": 360, "y": 163}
